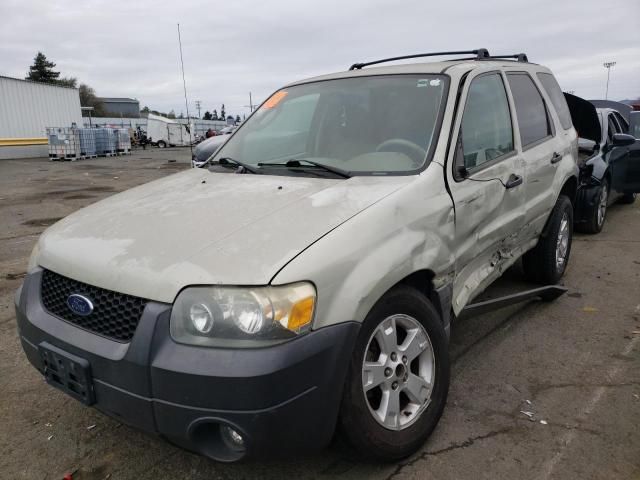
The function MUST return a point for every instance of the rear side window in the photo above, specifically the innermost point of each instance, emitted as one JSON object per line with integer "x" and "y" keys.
{"x": 613, "y": 127}
{"x": 486, "y": 123}
{"x": 624, "y": 125}
{"x": 557, "y": 98}
{"x": 530, "y": 109}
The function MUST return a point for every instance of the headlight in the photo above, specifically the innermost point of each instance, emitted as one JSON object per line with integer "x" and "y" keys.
{"x": 242, "y": 316}
{"x": 33, "y": 259}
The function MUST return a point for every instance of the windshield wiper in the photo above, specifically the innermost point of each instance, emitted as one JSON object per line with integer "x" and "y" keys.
{"x": 295, "y": 163}
{"x": 245, "y": 167}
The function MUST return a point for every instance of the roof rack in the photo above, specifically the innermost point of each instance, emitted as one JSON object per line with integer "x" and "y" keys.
{"x": 481, "y": 53}
{"x": 520, "y": 57}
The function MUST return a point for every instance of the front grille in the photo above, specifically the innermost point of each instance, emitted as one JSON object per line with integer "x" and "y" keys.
{"x": 115, "y": 315}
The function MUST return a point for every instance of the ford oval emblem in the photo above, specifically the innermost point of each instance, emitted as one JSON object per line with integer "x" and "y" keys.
{"x": 80, "y": 305}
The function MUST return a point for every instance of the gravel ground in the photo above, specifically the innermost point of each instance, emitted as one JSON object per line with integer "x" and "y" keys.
{"x": 573, "y": 362}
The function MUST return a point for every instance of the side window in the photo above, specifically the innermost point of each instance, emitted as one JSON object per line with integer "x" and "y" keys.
{"x": 552, "y": 88}
{"x": 530, "y": 109}
{"x": 624, "y": 125}
{"x": 613, "y": 127}
{"x": 486, "y": 131}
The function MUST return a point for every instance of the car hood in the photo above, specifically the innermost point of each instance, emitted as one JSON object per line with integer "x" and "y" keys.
{"x": 584, "y": 117}
{"x": 201, "y": 227}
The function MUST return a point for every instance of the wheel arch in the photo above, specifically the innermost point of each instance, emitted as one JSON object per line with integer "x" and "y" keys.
{"x": 570, "y": 189}
{"x": 423, "y": 281}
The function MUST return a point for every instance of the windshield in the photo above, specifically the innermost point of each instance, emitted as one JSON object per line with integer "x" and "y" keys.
{"x": 363, "y": 125}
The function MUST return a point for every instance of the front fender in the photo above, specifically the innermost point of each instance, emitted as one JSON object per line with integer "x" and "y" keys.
{"x": 356, "y": 263}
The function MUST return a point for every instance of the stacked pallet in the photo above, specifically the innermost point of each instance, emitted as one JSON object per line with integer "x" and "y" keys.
{"x": 123, "y": 141}
{"x": 105, "y": 142}
{"x": 64, "y": 143}
{"x": 87, "y": 142}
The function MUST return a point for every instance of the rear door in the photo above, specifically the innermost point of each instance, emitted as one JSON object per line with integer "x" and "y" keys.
{"x": 485, "y": 179}
{"x": 542, "y": 148}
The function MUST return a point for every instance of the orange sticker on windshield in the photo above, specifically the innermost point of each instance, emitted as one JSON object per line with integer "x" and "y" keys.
{"x": 275, "y": 99}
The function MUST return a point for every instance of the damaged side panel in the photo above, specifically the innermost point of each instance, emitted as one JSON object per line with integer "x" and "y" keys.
{"x": 379, "y": 247}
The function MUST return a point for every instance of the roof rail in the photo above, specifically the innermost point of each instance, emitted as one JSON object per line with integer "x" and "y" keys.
{"x": 520, "y": 57}
{"x": 480, "y": 54}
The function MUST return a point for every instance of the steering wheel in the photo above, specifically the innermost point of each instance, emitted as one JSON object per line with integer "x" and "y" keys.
{"x": 400, "y": 145}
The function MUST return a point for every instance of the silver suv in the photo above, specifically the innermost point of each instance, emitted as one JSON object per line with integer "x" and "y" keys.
{"x": 306, "y": 281}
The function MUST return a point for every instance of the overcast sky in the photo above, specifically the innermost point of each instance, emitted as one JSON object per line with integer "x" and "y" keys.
{"x": 130, "y": 48}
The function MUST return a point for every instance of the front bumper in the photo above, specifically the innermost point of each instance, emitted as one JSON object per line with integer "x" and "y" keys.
{"x": 283, "y": 398}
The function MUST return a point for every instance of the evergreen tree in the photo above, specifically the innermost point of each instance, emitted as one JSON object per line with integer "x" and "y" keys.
{"x": 171, "y": 114}
{"x": 214, "y": 115}
{"x": 237, "y": 118}
{"x": 207, "y": 115}
{"x": 222, "y": 113}
{"x": 42, "y": 70}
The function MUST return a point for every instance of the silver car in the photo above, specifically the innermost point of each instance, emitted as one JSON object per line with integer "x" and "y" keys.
{"x": 307, "y": 280}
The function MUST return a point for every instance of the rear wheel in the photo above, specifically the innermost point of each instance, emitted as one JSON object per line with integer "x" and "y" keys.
{"x": 628, "y": 198}
{"x": 162, "y": 144}
{"x": 547, "y": 262}
{"x": 398, "y": 377}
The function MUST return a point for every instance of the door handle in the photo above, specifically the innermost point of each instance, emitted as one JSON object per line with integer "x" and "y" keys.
{"x": 556, "y": 158}
{"x": 514, "y": 181}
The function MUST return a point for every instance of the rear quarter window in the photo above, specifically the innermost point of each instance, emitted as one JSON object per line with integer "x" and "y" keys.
{"x": 550, "y": 85}
{"x": 531, "y": 111}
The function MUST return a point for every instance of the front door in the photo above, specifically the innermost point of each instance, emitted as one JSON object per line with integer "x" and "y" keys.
{"x": 624, "y": 162}
{"x": 486, "y": 180}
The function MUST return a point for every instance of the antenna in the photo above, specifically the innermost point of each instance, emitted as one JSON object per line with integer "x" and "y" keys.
{"x": 186, "y": 102}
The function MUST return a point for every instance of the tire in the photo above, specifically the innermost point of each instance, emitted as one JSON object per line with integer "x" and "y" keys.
{"x": 598, "y": 213}
{"x": 541, "y": 264}
{"x": 421, "y": 410}
{"x": 162, "y": 144}
{"x": 628, "y": 198}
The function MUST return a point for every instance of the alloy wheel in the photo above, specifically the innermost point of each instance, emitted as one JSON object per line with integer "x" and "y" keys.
{"x": 398, "y": 372}
{"x": 562, "y": 244}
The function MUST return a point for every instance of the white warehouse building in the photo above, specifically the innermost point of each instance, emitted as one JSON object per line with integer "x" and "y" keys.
{"x": 27, "y": 109}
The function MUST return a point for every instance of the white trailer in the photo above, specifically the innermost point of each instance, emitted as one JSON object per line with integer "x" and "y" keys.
{"x": 165, "y": 132}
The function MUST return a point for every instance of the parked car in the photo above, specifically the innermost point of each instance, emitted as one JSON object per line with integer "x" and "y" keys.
{"x": 205, "y": 149}
{"x": 622, "y": 108}
{"x": 307, "y": 280}
{"x": 227, "y": 130}
{"x": 609, "y": 162}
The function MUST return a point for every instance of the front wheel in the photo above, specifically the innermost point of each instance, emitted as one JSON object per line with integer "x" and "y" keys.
{"x": 398, "y": 377}
{"x": 547, "y": 262}
{"x": 595, "y": 222}
{"x": 162, "y": 144}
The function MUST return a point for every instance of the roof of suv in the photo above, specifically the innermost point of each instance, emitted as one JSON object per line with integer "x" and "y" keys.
{"x": 425, "y": 67}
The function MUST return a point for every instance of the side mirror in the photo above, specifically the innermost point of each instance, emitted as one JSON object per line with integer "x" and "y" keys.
{"x": 622, "y": 140}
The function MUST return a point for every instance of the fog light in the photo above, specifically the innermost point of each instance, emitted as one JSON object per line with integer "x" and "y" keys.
{"x": 201, "y": 317}
{"x": 232, "y": 438}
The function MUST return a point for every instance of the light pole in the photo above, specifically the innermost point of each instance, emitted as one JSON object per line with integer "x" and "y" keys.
{"x": 608, "y": 66}
{"x": 198, "y": 105}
